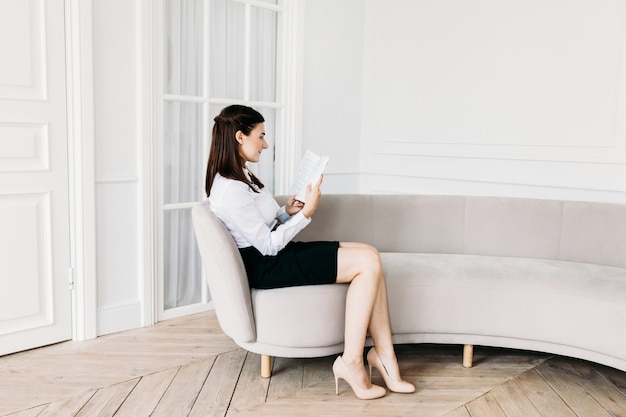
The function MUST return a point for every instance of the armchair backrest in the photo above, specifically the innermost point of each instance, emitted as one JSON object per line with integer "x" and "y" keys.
{"x": 225, "y": 274}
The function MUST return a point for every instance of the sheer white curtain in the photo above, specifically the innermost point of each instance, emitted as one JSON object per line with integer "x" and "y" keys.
{"x": 243, "y": 65}
{"x": 182, "y": 150}
{"x": 240, "y": 44}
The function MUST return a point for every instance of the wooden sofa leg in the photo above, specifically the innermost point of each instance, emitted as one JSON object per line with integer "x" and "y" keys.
{"x": 468, "y": 355}
{"x": 266, "y": 366}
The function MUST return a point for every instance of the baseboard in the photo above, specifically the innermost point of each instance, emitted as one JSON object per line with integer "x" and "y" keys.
{"x": 118, "y": 318}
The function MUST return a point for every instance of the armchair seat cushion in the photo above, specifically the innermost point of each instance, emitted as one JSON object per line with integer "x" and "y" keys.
{"x": 298, "y": 317}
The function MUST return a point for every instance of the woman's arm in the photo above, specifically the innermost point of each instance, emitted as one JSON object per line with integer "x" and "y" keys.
{"x": 240, "y": 211}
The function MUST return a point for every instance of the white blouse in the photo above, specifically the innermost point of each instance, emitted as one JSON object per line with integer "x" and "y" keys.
{"x": 252, "y": 217}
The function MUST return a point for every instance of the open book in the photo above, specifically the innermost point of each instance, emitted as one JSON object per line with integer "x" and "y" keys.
{"x": 311, "y": 167}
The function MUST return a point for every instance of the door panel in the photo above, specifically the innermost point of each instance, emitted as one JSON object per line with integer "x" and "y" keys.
{"x": 35, "y": 299}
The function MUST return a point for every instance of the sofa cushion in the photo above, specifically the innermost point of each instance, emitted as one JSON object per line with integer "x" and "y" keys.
{"x": 500, "y": 226}
{"x": 594, "y": 232}
{"x": 417, "y": 223}
{"x": 522, "y": 298}
{"x": 354, "y": 211}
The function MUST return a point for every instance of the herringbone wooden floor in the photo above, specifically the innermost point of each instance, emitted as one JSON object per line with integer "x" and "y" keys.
{"x": 187, "y": 367}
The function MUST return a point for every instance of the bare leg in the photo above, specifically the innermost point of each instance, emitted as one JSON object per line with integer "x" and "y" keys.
{"x": 379, "y": 325}
{"x": 358, "y": 265}
{"x": 383, "y": 355}
{"x": 366, "y": 306}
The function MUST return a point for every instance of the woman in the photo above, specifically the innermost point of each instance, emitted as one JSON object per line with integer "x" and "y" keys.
{"x": 263, "y": 232}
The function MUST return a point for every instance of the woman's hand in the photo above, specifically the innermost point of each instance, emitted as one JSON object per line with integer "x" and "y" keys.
{"x": 313, "y": 194}
{"x": 293, "y": 206}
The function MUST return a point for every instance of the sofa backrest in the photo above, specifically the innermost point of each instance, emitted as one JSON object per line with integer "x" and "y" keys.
{"x": 499, "y": 226}
{"x": 225, "y": 274}
{"x": 594, "y": 233}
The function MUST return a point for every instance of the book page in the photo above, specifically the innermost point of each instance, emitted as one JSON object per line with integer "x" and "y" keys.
{"x": 311, "y": 167}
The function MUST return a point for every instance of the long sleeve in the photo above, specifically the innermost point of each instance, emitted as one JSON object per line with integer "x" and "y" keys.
{"x": 250, "y": 216}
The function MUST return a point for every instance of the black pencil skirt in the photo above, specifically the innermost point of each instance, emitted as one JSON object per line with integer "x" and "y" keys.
{"x": 299, "y": 263}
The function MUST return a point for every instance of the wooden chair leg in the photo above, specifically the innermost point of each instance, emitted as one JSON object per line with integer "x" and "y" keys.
{"x": 468, "y": 355}
{"x": 266, "y": 366}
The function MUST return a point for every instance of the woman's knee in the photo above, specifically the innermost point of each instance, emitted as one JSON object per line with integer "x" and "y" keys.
{"x": 370, "y": 258}
{"x": 360, "y": 259}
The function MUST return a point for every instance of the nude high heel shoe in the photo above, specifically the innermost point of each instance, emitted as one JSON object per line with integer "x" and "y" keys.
{"x": 341, "y": 371}
{"x": 395, "y": 383}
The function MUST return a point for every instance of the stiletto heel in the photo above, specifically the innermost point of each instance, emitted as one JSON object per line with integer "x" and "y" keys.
{"x": 397, "y": 384}
{"x": 341, "y": 370}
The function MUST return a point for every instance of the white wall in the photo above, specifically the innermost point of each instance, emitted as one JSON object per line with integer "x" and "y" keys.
{"x": 117, "y": 135}
{"x": 516, "y": 98}
{"x": 332, "y": 96}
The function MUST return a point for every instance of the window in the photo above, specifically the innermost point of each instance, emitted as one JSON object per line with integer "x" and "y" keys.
{"x": 214, "y": 53}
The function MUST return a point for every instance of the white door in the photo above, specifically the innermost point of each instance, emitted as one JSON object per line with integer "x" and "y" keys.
{"x": 35, "y": 299}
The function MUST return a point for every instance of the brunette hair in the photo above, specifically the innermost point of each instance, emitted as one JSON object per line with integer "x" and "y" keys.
{"x": 224, "y": 157}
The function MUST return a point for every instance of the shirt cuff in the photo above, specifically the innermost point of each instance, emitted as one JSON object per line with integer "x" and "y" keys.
{"x": 282, "y": 215}
{"x": 299, "y": 217}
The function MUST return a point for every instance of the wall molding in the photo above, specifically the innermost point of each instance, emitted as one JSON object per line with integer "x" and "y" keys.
{"x": 609, "y": 156}
{"x": 567, "y": 154}
{"x": 477, "y": 180}
{"x": 378, "y": 183}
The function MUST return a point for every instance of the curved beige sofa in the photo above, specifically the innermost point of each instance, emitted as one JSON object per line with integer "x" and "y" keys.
{"x": 530, "y": 274}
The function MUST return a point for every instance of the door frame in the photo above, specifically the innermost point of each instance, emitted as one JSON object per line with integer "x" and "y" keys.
{"x": 81, "y": 160}
{"x": 82, "y": 182}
